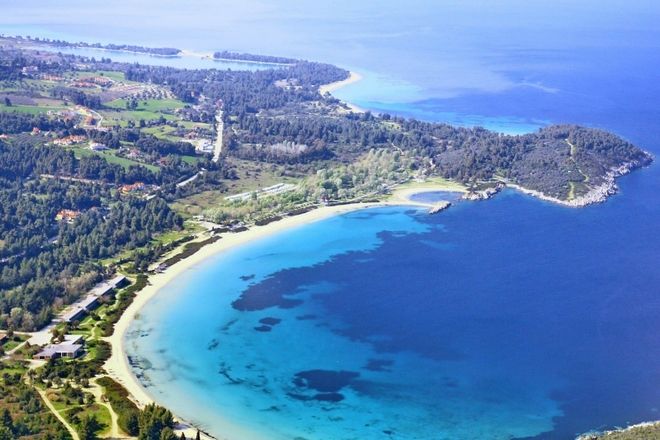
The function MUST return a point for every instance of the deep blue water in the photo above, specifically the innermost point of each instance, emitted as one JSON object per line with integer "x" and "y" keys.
{"x": 511, "y": 318}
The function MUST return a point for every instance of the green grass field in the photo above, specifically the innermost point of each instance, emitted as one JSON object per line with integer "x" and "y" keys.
{"x": 111, "y": 157}
{"x": 162, "y": 132}
{"x": 434, "y": 181}
{"x": 122, "y": 118}
{"x": 14, "y": 342}
{"x": 68, "y": 408}
{"x": 150, "y": 105}
{"x": 117, "y": 76}
{"x": 33, "y": 109}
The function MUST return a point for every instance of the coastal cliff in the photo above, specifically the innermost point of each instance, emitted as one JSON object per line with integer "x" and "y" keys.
{"x": 641, "y": 431}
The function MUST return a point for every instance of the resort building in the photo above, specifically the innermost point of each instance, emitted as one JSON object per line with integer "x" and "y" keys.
{"x": 74, "y": 314}
{"x": 92, "y": 300}
{"x": 29, "y": 70}
{"x": 70, "y": 347}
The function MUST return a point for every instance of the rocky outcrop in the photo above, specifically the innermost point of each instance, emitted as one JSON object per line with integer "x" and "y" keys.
{"x": 597, "y": 194}
{"x": 440, "y": 206}
{"x": 641, "y": 431}
{"x": 483, "y": 194}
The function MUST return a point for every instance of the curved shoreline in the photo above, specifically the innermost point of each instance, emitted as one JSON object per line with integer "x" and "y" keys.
{"x": 118, "y": 366}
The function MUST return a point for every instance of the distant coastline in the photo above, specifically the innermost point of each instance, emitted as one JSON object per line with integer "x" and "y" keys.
{"x": 353, "y": 78}
{"x": 164, "y": 52}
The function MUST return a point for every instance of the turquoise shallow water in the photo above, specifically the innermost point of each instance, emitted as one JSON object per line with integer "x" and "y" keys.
{"x": 204, "y": 347}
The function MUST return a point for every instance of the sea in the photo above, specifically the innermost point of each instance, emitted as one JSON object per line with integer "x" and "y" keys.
{"x": 511, "y": 318}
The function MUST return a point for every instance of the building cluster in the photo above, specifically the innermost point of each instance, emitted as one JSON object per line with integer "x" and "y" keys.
{"x": 92, "y": 300}
{"x": 132, "y": 153}
{"x": 70, "y": 140}
{"x": 278, "y": 188}
{"x": 56, "y": 346}
{"x": 67, "y": 215}
{"x": 204, "y": 146}
{"x": 29, "y": 70}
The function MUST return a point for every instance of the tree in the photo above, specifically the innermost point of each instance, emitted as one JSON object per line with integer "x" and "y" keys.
{"x": 88, "y": 428}
{"x": 7, "y": 101}
{"x": 198, "y": 436}
{"x": 153, "y": 420}
{"x": 129, "y": 421}
{"x": 183, "y": 436}
{"x": 167, "y": 434}
{"x": 6, "y": 433}
{"x": 7, "y": 420}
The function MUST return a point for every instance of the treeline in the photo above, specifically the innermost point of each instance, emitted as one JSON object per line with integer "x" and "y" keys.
{"x": 20, "y": 159}
{"x": 12, "y": 62}
{"x": 15, "y": 122}
{"x": 23, "y": 414}
{"x": 32, "y": 283}
{"x": 45, "y": 264}
{"x": 369, "y": 176}
{"x": 26, "y": 156}
{"x": 165, "y": 51}
{"x": 226, "y": 55}
{"x": 76, "y": 96}
{"x": 282, "y": 152}
{"x": 26, "y": 222}
{"x": 151, "y": 423}
{"x": 242, "y": 91}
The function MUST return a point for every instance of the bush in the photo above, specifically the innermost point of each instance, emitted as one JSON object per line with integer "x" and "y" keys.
{"x": 127, "y": 412}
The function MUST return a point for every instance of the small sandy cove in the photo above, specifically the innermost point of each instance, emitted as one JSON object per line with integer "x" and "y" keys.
{"x": 353, "y": 77}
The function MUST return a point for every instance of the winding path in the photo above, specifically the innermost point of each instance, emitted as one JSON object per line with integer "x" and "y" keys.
{"x": 97, "y": 391}
{"x": 59, "y": 416}
{"x": 585, "y": 178}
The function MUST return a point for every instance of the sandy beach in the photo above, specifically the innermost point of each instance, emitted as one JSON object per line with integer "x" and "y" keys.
{"x": 118, "y": 366}
{"x": 353, "y": 77}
